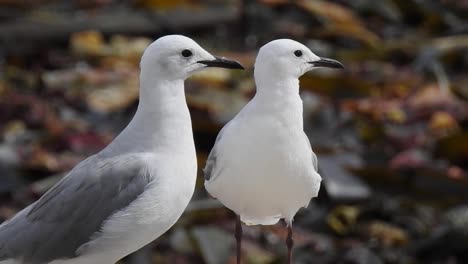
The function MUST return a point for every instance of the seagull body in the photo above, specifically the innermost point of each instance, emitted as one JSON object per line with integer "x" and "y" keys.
{"x": 134, "y": 190}
{"x": 262, "y": 165}
{"x": 264, "y": 168}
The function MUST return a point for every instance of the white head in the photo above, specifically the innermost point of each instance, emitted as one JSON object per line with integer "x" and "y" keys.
{"x": 286, "y": 59}
{"x": 176, "y": 57}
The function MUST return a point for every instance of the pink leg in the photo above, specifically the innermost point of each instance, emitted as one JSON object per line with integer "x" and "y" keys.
{"x": 290, "y": 243}
{"x": 238, "y": 238}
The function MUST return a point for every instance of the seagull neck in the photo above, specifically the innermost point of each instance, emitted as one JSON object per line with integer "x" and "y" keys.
{"x": 161, "y": 97}
{"x": 162, "y": 120}
{"x": 273, "y": 87}
{"x": 282, "y": 98}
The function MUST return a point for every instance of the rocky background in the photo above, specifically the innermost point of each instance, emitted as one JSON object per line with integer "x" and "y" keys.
{"x": 391, "y": 130}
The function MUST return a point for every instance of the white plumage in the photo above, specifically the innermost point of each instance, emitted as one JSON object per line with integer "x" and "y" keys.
{"x": 262, "y": 166}
{"x": 134, "y": 190}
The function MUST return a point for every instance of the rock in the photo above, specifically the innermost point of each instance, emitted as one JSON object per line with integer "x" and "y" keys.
{"x": 8, "y": 156}
{"x": 361, "y": 255}
{"x": 88, "y": 43}
{"x": 141, "y": 256}
{"x": 181, "y": 242}
{"x": 387, "y": 234}
{"x": 254, "y": 254}
{"x": 341, "y": 185}
{"x": 216, "y": 245}
{"x": 113, "y": 97}
{"x": 342, "y": 219}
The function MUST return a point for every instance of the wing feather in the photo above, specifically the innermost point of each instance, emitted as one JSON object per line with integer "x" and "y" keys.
{"x": 73, "y": 210}
{"x": 212, "y": 157}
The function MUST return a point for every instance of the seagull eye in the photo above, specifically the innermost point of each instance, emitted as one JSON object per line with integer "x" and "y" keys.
{"x": 186, "y": 53}
{"x": 298, "y": 53}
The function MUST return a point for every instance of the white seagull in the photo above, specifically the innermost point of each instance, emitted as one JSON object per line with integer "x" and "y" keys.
{"x": 134, "y": 190}
{"x": 262, "y": 166}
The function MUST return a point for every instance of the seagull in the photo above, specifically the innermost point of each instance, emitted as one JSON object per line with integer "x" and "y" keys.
{"x": 117, "y": 201}
{"x": 262, "y": 165}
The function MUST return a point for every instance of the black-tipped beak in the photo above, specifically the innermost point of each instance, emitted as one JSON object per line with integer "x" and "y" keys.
{"x": 222, "y": 63}
{"x": 327, "y": 63}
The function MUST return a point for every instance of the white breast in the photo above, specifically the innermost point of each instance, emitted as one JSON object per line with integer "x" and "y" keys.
{"x": 264, "y": 170}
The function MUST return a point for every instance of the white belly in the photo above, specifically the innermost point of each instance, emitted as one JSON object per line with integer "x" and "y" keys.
{"x": 265, "y": 178}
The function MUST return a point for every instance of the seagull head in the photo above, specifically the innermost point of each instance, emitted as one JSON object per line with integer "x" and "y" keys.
{"x": 286, "y": 58}
{"x": 177, "y": 57}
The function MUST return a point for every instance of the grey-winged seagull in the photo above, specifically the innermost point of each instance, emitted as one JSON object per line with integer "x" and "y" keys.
{"x": 134, "y": 190}
{"x": 262, "y": 165}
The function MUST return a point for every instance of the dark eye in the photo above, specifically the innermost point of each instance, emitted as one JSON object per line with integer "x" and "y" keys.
{"x": 298, "y": 53}
{"x": 186, "y": 53}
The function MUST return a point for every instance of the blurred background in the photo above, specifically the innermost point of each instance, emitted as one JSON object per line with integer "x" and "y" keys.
{"x": 391, "y": 130}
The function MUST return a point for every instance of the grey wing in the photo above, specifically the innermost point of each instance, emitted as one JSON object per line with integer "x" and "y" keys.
{"x": 72, "y": 211}
{"x": 211, "y": 160}
{"x": 314, "y": 156}
{"x": 314, "y": 160}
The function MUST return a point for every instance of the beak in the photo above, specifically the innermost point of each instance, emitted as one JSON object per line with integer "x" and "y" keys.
{"x": 327, "y": 63}
{"x": 222, "y": 63}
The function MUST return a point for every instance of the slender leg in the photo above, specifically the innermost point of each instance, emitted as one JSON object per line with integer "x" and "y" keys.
{"x": 289, "y": 243}
{"x": 238, "y": 238}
